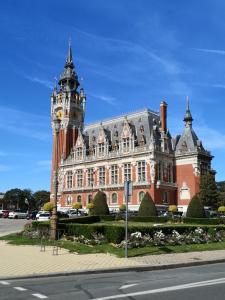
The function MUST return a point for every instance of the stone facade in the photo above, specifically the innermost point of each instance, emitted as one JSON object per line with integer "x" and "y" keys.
{"x": 136, "y": 147}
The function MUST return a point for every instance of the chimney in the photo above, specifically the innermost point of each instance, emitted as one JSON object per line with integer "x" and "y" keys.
{"x": 163, "y": 116}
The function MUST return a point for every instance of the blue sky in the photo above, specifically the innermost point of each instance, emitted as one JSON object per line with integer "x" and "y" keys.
{"x": 132, "y": 54}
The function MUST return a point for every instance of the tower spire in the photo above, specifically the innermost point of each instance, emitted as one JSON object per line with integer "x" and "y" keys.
{"x": 188, "y": 117}
{"x": 69, "y": 56}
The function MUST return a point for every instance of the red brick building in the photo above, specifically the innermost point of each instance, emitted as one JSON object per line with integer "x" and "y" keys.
{"x": 136, "y": 146}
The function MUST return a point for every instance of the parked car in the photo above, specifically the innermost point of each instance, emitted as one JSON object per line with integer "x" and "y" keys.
{"x": 5, "y": 214}
{"x": 40, "y": 212}
{"x": 74, "y": 214}
{"x": 17, "y": 214}
{"x": 32, "y": 215}
{"x": 62, "y": 214}
{"x": 44, "y": 216}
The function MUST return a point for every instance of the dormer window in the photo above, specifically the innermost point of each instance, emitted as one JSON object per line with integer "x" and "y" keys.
{"x": 79, "y": 153}
{"x": 101, "y": 149}
{"x": 126, "y": 144}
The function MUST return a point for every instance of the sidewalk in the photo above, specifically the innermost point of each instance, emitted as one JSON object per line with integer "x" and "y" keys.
{"x": 26, "y": 261}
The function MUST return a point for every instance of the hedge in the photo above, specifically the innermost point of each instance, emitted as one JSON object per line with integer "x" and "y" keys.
{"x": 205, "y": 221}
{"x": 81, "y": 220}
{"x": 148, "y": 219}
{"x": 115, "y": 234}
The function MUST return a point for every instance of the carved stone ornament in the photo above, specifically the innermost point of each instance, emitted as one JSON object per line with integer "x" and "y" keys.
{"x": 152, "y": 170}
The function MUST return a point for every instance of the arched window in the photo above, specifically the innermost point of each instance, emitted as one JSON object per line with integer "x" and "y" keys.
{"x": 114, "y": 198}
{"x": 69, "y": 200}
{"x": 89, "y": 198}
{"x": 141, "y": 196}
{"x": 79, "y": 198}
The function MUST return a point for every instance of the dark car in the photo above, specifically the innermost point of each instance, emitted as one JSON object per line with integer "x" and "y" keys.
{"x": 32, "y": 215}
{"x": 5, "y": 214}
{"x": 62, "y": 214}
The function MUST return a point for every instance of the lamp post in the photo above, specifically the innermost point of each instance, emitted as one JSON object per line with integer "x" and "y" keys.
{"x": 54, "y": 217}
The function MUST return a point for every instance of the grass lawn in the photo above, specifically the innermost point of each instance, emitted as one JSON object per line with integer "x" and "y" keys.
{"x": 15, "y": 239}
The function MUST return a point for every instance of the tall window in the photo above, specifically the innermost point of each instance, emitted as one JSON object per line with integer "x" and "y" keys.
{"x": 141, "y": 196}
{"x": 126, "y": 144}
{"x": 159, "y": 171}
{"x": 141, "y": 171}
{"x": 89, "y": 198}
{"x": 69, "y": 200}
{"x": 114, "y": 174}
{"x": 90, "y": 177}
{"x": 79, "y": 198}
{"x": 101, "y": 149}
{"x": 79, "y": 153}
{"x": 69, "y": 179}
{"x": 101, "y": 175}
{"x": 79, "y": 178}
{"x": 114, "y": 198}
{"x": 127, "y": 171}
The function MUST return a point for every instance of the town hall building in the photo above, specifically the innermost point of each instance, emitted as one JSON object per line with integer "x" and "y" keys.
{"x": 136, "y": 146}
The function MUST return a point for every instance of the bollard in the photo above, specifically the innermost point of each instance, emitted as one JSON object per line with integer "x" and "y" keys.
{"x": 42, "y": 246}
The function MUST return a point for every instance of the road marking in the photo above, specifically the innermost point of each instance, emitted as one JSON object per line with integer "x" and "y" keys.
{"x": 18, "y": 288}
{"x": 167, "y": 289}
{"x": 40, "y": 296}
{"x": 126, "y": 286}
{"x": 4, "y": 282}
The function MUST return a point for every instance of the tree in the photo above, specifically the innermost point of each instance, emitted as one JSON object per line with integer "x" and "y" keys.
{"x": 90, "y": 207}
{"x": 41, "y": 197}
{"x": 18, "y": 199}
{"x": 100, "y": 204}
{"x": 48, "y": 206}
{"x": 147, "y": 207}
{"x": 208, "y": 190}
{"x": 122, "y": 208}
{"x": 195, "y": 208}
{"x": 77, "y": 206}
{"x": 172, "y": 208}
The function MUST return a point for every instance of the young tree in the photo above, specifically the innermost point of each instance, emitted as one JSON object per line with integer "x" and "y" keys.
{"x": 41, "y": 197}
{"x": 195, "y": 208}
{"x": 147, "y": 207}
{"x": 48, "y": 206}
{"x": 100, "y": 204}
{"x": 77, "y": 206}
{"x": 208, "y": 190}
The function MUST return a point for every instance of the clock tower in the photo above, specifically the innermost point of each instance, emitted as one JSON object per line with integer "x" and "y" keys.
{"x": 68, "y": 106}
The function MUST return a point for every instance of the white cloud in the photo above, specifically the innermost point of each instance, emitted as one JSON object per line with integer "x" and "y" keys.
{"x": 5, "y": 168}
{"x": 108, "y": 99}
{"x": 211, "y": 138}
{"x": 213, "y": 51}
{"x": 25, "y": 124}
{"x": 43, "y": 82}
{"x": 44, "y": 163}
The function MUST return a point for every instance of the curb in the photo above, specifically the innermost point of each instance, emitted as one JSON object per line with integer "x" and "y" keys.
{"x": 120, "y": 270}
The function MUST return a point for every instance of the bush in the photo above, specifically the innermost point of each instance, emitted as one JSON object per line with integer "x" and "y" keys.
{"x": 48, "y": 206}
{"x": 147, "y": 207}
{"x": 172, "y": 208}
{"x": 81, "y": 220}
{"x": 100, "y": 205}
{"x": 77, "y": 205}
{"x": 204, "y": 221}
{"x": 195, "y": 208}
{"x": 107, "y": 218}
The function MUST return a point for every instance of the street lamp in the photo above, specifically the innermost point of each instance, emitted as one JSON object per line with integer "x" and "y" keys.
{"x": 54, "y": 217}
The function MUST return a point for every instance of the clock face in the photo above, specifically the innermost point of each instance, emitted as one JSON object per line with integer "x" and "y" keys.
{"x": 59, "y": 114}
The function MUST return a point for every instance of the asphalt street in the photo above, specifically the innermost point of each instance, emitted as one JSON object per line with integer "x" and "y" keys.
{"x": 203, "y": 282}
{"x": 11, "y": 225}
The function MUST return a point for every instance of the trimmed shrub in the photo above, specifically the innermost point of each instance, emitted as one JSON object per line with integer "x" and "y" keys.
{"x": 148, "y": 219}
{"x": 204, "y": 221}
{"x": 48, "y": 206}
{"x": 81, "y": 220}
{"x": 100, "y": 205}
{"x": 195, "y": 208}
{"x": 107, "y": 218}
{"x": 172, "y": 208}
{"x": 221, "y": 209}
{"x": 147, "y": 207}
{"x": 122, "y": 208}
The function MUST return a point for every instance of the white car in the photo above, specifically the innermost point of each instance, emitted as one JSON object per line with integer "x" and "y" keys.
{"x": 41, "y": 212}
{"x": 17, "y": 214}
{"x": 44, "y": 216}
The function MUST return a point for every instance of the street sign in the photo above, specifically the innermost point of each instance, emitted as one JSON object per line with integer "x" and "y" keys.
{"x": 128, "y": 189}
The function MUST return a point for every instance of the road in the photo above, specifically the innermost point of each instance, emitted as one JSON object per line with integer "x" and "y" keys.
{"x": 202, "y": 282}
{"x": 11, "y": 225}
